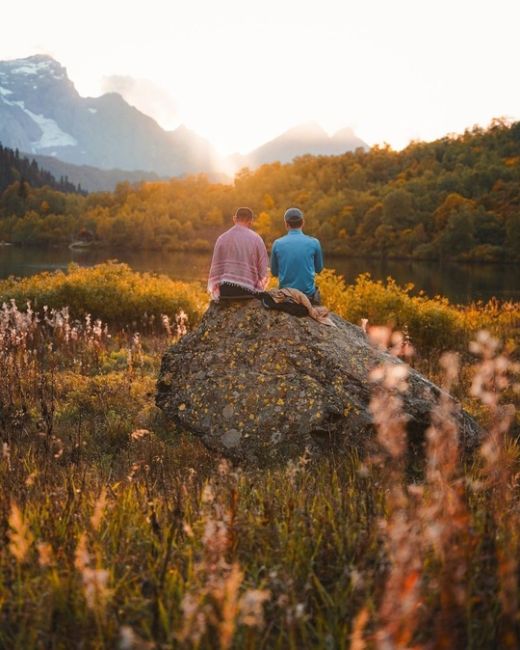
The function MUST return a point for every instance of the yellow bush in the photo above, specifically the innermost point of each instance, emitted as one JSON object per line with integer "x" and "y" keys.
{"x": 110, "y": 291}
{"x": 116, "y": 294}
{"x": 432, "y": 323}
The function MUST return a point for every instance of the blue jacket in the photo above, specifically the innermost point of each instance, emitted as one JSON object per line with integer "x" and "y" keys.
{"x": 295, "y": 259}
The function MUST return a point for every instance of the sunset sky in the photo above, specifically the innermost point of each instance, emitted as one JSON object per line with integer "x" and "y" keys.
{"x": 239, "y": 72}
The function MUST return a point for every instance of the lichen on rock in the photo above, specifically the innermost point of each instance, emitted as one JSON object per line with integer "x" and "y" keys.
{"x": 264, "y": 386}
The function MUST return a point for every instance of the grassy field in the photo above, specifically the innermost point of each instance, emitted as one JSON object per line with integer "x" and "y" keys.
{"x": 120, "y": 531}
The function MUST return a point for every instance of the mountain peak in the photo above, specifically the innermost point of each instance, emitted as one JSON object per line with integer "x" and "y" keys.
{"x": 33, "y": 66}
{"x": 306, "y": 130}
{"x": 346, "y": 132}
{"x": 38, "y": 58}
{"x": 184, "y": 131}
{"x": 42, "y": 113}
{"x": 305, "y": 138}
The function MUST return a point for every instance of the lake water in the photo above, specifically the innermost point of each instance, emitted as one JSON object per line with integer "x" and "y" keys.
{"x": 461, "y": 283}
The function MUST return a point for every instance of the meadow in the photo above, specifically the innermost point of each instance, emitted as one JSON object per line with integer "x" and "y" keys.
{"x": 119, "y": 530}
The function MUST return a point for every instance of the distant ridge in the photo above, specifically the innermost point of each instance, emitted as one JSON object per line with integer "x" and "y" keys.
{"x": 307, "y": 138}
{"x": 17, "y": 167}
{"x": 94, "y": 179}
{"x": 42, "y": 113}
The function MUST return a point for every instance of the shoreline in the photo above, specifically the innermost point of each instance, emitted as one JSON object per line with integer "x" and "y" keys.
{"x": 328, "y": 254}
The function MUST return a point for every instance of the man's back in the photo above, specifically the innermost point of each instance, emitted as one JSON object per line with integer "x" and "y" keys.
{"x": 239, "y": 240}
{"x": 240, "y": 259}
{"x": 295, "y": 259}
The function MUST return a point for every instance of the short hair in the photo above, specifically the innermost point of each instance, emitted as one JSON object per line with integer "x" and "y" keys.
{"x": 244, "y": 214}
{"x": 295, "y": 223}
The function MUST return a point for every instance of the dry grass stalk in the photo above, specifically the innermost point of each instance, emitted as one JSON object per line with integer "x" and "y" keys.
{"x": 399, "y": 609}
{"x": 45, "y": 554}
{"x": 444, "y": 512}
{"x": 217, "y": 604}
{"x": 20, "y": 537}
{"x": 356, "y": 639}
{"x": 94, "y": 580}
{"x": 99, "y": 509}
{"x": 494, "y": 375}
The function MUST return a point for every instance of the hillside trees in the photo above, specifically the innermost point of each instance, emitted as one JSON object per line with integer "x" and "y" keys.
{"x": 15, "y": 167}
{"x": 398, "y": 209}
{"x": 513, "y": 236}
{"x": 456, "y": 198}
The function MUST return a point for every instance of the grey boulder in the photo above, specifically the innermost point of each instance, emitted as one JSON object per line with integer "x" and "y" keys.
{"x": 263, "y": 386}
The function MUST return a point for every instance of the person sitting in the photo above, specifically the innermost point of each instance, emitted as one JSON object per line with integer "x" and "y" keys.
{"x": 239, "y": 264}
{"x": 296, "y": 258}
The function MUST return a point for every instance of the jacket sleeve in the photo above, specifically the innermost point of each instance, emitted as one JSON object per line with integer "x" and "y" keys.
{"x": 274, "y": 261}
{"x": 318, "y": 258}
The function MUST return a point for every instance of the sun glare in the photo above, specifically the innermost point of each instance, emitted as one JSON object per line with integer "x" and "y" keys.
{"x": 241, "y": 75}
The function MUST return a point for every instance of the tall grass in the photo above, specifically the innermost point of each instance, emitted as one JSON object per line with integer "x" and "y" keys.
{"x": 120, "y": 531}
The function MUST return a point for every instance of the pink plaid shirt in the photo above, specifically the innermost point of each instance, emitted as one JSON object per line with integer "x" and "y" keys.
{"x": 239, "y": 258}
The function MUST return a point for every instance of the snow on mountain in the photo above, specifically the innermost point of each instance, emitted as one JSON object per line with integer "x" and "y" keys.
{"x": 51, "y": 134}
{"x": 41, "y": 112}
{"x": 36, "y": 64}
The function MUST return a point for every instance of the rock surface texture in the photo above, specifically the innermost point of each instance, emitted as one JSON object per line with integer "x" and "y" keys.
{"x": 263, "y": 386}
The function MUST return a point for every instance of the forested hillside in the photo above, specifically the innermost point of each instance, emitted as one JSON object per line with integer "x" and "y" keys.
{"x": 457, "y": 197}
{"x": 17, "y": 168}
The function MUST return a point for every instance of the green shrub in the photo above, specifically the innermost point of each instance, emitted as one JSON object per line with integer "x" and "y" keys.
{"x": 432, "y": 323}
{"x": 110, "y": 291}
{"x": 119, "y": 296}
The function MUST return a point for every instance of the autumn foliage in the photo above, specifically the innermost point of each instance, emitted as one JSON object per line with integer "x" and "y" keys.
{"x": 454, "y": 198}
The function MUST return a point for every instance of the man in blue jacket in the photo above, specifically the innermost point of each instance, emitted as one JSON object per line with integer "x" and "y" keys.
{"x": 296, "y": 258}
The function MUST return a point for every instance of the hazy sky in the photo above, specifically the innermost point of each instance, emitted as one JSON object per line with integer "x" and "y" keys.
{"x": 240, "y": 72}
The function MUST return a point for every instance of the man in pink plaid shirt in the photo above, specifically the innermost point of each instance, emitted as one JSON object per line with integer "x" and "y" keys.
{"x": 239, "y": 264}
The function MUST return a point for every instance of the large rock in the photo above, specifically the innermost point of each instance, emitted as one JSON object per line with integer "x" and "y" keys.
{"x": 262, "y": 385}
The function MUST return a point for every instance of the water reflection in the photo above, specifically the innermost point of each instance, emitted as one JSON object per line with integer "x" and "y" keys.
{"x": 458, "y": 282}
